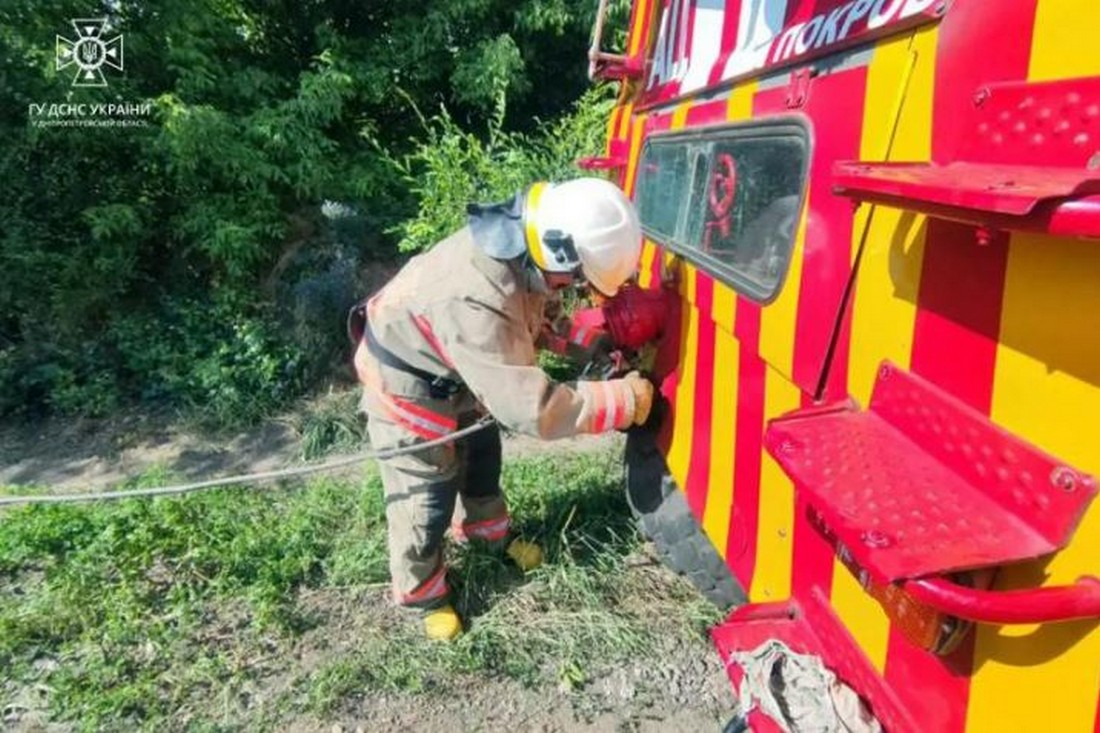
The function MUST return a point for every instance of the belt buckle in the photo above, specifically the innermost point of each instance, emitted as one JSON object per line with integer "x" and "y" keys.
{"x": 441, "y": 388}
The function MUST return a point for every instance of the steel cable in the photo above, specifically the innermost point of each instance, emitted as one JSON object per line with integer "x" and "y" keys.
{"x": 265, "y": 476}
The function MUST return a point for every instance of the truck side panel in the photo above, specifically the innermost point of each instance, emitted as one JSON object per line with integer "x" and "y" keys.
{"x": 1008, "y": 326}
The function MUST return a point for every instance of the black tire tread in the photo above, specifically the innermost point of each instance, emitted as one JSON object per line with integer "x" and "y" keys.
{"x": 681, "y": 544}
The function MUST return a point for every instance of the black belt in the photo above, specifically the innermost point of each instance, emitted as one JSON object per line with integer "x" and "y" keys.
{"x": 440, "y": 388}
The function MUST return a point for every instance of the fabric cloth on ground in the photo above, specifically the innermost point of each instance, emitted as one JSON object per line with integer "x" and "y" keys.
{"x": 799, "y": 693}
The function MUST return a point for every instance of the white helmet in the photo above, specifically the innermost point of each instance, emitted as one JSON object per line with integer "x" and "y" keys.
{"x": 587, "y": 222}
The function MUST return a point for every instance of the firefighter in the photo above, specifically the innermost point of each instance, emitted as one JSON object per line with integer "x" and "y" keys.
{"x": 453, "y": 335}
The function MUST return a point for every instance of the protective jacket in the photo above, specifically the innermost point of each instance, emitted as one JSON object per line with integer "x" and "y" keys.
{"x": 470, "y": 312}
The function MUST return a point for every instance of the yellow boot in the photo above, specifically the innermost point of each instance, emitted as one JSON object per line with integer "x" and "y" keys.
{"x": 527, "y": 555}
{"x": 442, "y": 624}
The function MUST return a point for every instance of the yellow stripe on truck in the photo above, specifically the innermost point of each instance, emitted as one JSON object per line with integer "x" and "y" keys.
{"x": 679, "y": 116}
{"x": 897, "y": 124}
{"x": 635, "y": 150}
{"x": 645, "y": 264}
{"x": 740, "y": 102}
{"x": 614, "y": 127}
{"x": 779, "y": 319}
{"x": 723, "y": 434}
{"x": 771, "y": 579}
{"x": 679, "y": 451}
{"x": 624, "y": 120}
{"x": 636, "y": 38}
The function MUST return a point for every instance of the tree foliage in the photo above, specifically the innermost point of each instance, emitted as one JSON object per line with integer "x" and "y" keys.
{"x": 164, "y": 262}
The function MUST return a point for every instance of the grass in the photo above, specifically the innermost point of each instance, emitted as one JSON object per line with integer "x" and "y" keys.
{"x": 330, "y": 424}
{"x": 182, "y": 613}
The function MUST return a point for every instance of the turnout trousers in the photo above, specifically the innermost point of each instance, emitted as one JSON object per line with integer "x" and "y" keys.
{"x": 454, "y": 485}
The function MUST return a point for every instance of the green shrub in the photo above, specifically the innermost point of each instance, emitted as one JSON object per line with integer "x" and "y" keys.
{"x": 227, "y": 368}
{"x": 451, "y": 166}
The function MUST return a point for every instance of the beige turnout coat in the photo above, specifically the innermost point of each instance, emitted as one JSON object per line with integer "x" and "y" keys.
{"x": 456, "y": 312}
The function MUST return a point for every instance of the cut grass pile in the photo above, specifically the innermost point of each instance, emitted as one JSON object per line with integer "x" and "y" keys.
{"x": 192, "y": 612}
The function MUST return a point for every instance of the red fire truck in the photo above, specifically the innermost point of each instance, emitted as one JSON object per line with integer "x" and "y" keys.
{"x": 879, "y": 219}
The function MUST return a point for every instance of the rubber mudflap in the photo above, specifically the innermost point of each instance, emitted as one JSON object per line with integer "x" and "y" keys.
{"x": 664, "y": 518}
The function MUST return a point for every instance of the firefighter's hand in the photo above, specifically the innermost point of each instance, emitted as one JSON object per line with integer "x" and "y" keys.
{"x": 643, "y": 396}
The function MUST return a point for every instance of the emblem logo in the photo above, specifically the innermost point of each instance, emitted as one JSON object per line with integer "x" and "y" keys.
{"x": 90, "y": 52}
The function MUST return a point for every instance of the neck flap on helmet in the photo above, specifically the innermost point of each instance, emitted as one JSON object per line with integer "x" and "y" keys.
{"x": 506, "y": 231}
{"x": 498, "y": 229}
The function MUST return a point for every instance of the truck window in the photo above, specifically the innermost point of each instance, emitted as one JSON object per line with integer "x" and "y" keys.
{"x": 728, "y": 199}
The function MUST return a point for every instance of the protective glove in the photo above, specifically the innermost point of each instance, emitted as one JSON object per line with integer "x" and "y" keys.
{"x": 643, "y": 396}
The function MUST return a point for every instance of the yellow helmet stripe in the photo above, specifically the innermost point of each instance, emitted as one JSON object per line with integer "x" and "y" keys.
{"x": 534, "y": 245}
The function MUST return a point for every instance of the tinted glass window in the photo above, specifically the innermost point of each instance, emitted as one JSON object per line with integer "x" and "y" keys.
{"x": 728, "y": 199}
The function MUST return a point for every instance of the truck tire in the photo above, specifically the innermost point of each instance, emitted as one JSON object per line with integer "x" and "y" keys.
{"x": 664, "y": 517}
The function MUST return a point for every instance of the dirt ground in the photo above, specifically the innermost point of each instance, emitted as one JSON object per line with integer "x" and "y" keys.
{"x": 680, "y": 688}
{"x": 71, "y": 455}
{"x": 80, "y": 453}
{"x": 675, "y": 693}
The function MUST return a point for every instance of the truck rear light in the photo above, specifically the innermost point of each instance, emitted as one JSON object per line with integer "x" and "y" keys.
{"x": 924, "y": 625}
